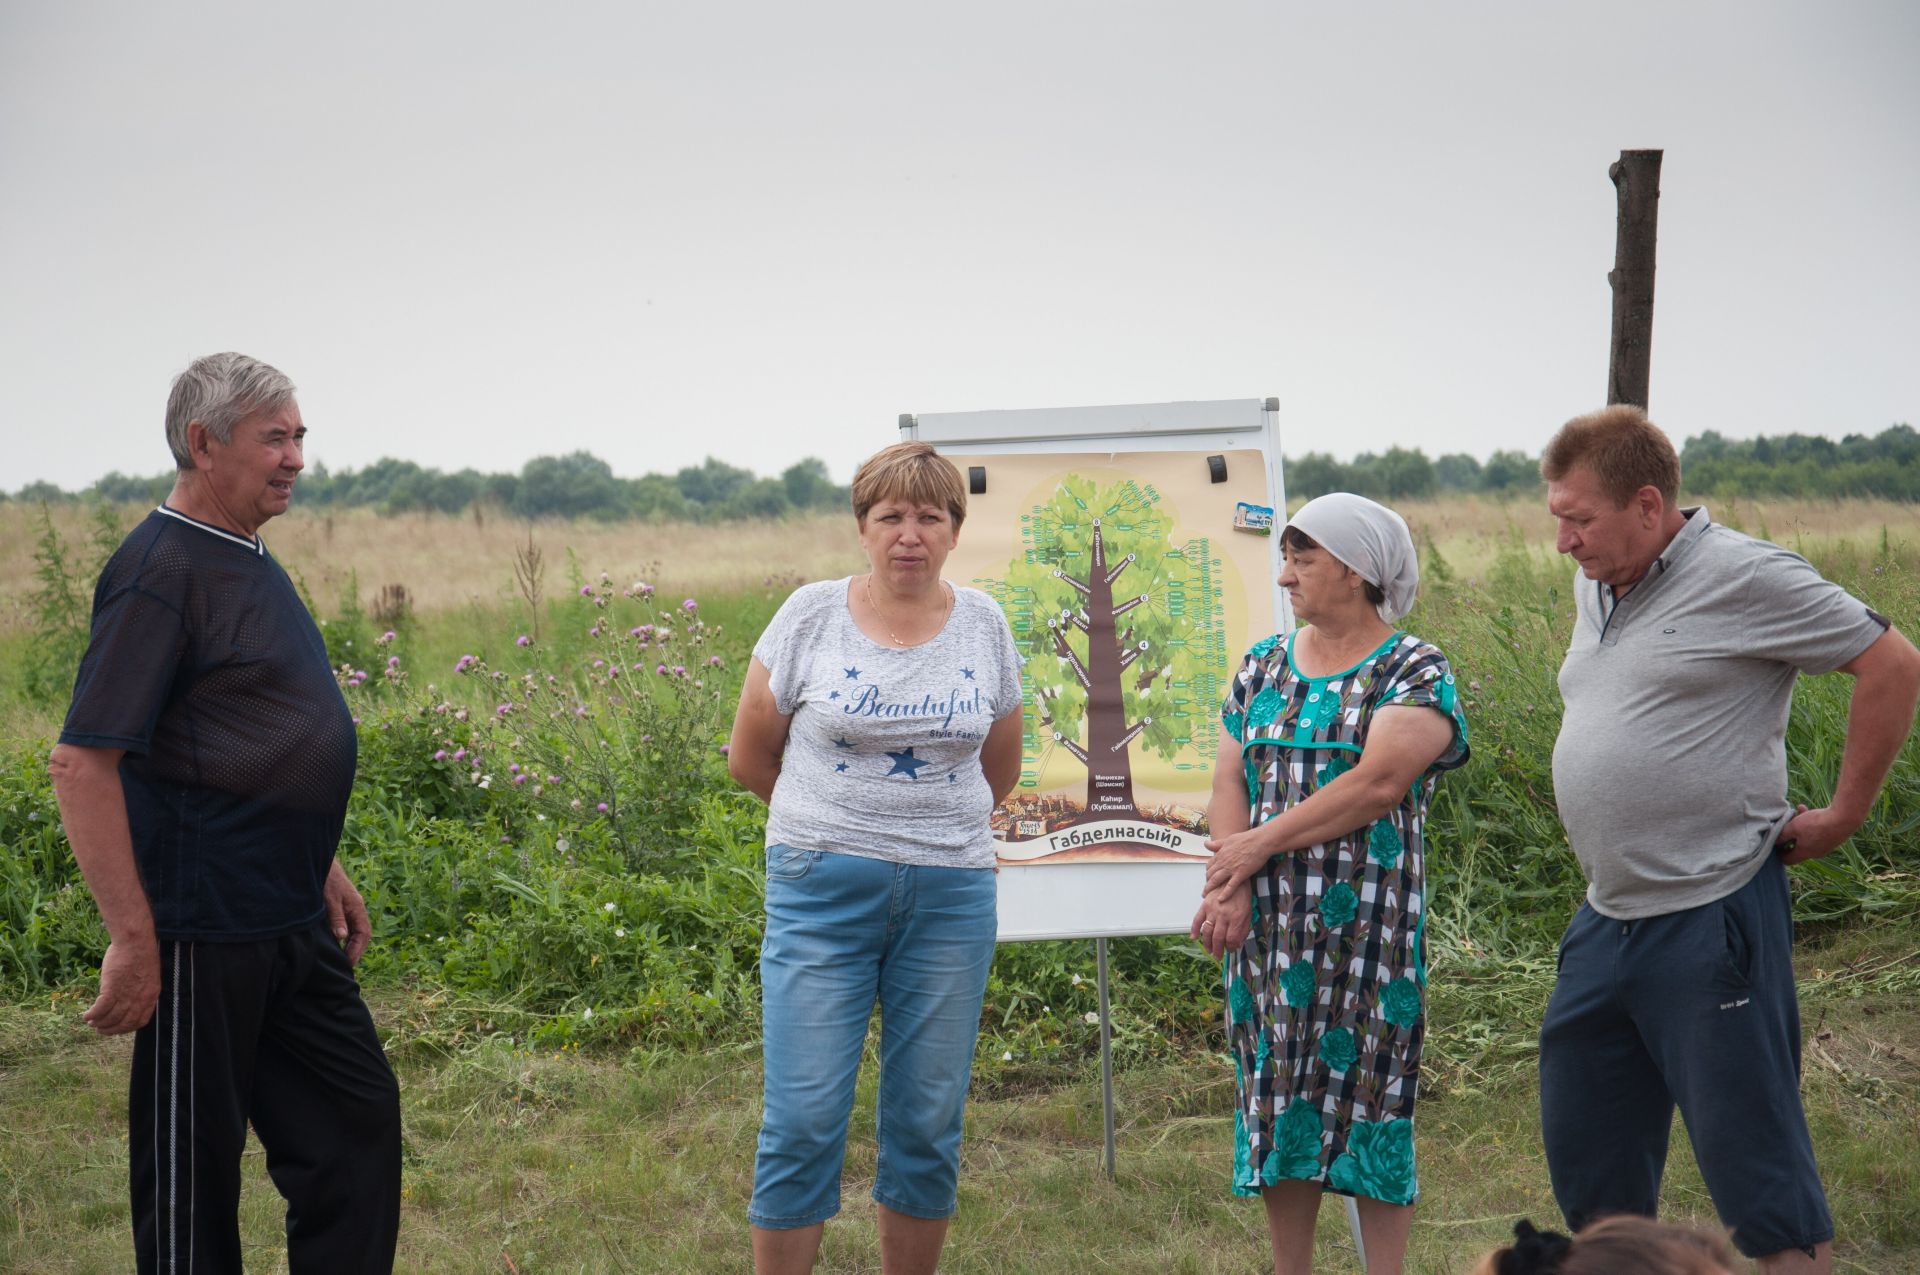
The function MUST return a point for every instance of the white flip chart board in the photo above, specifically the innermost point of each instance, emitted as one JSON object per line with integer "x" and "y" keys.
{"x": 1109, "y": 536}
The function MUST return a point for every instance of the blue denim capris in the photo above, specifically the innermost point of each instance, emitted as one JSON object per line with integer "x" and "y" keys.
{"x": 844, "y": 932}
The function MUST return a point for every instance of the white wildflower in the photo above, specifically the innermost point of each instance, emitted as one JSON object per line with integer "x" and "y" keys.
{"x": 1092, "y": 1018}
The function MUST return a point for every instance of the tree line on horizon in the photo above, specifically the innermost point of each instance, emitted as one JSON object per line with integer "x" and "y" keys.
{"x": 581, "y": 485}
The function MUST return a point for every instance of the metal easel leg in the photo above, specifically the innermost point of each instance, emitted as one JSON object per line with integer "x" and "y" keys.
{"x": 1353, "y": 1224}
{"x": 1106, "y": 1052}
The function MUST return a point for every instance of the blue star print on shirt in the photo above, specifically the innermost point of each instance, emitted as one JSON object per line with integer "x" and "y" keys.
{"x": 905, "y": 763}
{"x": 843, "y": 742}
{"x": 853, "y": 672}
{"x": 967, "y": 673}
{"x": 840, "y": 769}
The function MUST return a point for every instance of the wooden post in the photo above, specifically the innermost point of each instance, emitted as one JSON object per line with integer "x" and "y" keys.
{"x": 1636, "y": 183}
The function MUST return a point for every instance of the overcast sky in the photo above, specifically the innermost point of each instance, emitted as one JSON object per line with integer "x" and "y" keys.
{"x": 478, "y": 232}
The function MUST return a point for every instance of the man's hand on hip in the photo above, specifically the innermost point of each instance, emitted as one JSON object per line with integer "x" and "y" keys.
{"x": 129, "y": 988}
{"x": 1812, "y": 834}
{"x": 347, "y": 914}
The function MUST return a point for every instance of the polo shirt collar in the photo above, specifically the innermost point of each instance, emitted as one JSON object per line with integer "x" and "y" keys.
{"x": 1683, "y": 540}
{"x": 1677, "y": 549}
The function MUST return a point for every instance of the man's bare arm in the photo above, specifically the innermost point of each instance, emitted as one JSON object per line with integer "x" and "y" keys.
{"x": 93, "y": 807}
{"x": 1886, "y": 690}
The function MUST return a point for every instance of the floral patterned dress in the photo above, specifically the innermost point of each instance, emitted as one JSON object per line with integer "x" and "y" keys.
{"x": 1325, "y": 999}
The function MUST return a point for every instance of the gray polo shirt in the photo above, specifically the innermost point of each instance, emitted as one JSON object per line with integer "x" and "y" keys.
{"x": 1671, "y": 767}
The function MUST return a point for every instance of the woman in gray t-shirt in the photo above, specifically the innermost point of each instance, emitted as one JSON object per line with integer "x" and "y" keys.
{"x": 880, "y": 722}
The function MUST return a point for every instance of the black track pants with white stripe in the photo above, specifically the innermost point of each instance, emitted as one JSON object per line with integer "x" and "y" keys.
{"x": 274, "y": 1034}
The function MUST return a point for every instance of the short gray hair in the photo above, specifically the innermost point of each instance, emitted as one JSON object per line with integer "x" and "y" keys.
{"x": 219, "y": 391}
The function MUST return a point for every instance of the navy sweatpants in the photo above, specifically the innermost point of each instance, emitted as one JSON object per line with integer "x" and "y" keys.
{"x": 1695, "y": 1009}
{"x": 274, "y": 1034}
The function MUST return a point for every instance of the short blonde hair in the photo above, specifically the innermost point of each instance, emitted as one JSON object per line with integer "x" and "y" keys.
{"x": 911, "y": 472}
{"x": 1625, "y": 1243}
{"x": 1624, "y": 449}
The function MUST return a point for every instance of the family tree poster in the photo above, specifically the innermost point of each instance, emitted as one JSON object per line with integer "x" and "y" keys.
{"x": 1132, "y": 597}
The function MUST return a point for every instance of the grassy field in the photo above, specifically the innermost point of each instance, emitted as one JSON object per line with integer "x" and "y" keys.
{"x": 570, "y": 1000}
{"x": 569, "y": 1161}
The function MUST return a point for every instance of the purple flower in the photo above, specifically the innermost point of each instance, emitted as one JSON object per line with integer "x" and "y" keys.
{"x": 356, "y": 721}
{"x": 393, "y": 661}
{"x": 440, "y": 755}
{"x": 523, "y": 640}
{"x": 459, "y": 754}
{"x": 602, "y": 807}
{"x": 519, "y": 779}
{"x": 690, "y": 605}
{"x": 644, "y": 589}
{"x": 504, "y": 709}
{"x": 514, "y": 766}
{"x": 586, "y": 590}
{"x": 713, "y": 661}
{"x": 465, "y": 662}
{"x": 387, "y": 637}
{"x": 638, "y": 666}
{"x": 725, "y": 749}
{"x": 679, "y": 670}
{"x": 662, "y": 670}
{"x": 553, "y": 779}
{"x": 599, "y": 663}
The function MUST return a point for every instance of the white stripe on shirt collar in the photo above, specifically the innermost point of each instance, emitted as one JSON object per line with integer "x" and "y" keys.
{"x": 256, "y": 544}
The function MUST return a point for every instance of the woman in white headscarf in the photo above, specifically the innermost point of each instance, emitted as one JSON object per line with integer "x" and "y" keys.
{"x": 1331, "y": 739}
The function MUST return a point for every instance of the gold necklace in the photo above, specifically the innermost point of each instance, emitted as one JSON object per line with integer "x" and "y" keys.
{"x": 882, "y": 616}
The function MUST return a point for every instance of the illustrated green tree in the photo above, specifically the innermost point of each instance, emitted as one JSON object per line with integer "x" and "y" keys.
{"x": 1121, "y": 627}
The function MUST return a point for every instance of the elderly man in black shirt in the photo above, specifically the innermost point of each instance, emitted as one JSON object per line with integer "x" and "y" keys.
{"x": 203, "y": 776}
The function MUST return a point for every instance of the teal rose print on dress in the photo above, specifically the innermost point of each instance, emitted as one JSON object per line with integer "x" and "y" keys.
{"x": 1296, "y": 1155}
{"x": 1266, "y": 708}
{"x": 1338, "y": 905}
{"x": 1236, "y": 724}
{"x": 1378, "y": 1161}
{"x": 1383, "y": 843}
{"x": 1242, "y": 1152}
{"x": 1240, "y": 1001}
{"x": 1264, "y": 647}
{"x": 1400, "y": 1002}
{"x": 1337, "y": 1049}
{"x": 1333, "y": 770}
{"x": 1296, "y": 983}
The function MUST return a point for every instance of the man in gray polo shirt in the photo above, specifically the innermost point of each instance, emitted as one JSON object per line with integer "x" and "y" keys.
{"x": 1676, "y": 976}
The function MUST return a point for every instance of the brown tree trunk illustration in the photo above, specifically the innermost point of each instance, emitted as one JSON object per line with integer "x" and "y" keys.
{"x": 1109, "y": 765}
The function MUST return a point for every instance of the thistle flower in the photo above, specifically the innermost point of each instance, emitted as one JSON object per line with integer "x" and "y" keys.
{"x": 523, "y": 640}
{"x": 440, "y": 755}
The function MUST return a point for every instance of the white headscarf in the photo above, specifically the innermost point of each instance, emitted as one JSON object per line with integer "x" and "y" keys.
{"x": 1371, "y": 539}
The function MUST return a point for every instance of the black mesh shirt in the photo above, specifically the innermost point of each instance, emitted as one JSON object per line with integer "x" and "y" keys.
{"x": 206, "y": 668}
